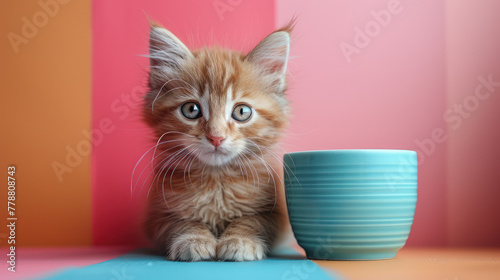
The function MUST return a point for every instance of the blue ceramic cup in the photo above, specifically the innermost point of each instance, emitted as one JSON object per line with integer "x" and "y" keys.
{"x": 351, "y": 204}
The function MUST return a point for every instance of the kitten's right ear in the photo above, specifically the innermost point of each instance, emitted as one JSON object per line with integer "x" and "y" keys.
{"x": 167, "y": 53}
{"x": 271, "y": 56}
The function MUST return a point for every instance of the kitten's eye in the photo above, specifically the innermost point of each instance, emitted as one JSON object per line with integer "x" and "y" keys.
{"x": 191, "y": 110}
{"x": 242, "y": 113}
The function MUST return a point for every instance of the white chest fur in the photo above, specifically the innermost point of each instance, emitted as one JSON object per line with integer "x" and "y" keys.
{"x": 220, "y": 205}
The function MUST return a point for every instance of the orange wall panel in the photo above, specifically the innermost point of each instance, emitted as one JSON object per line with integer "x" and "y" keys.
{"x": 44, "y": 111}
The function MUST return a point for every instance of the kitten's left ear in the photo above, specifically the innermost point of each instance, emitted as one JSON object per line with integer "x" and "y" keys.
{"x": 271, "y": 54}
{"x": 165, "y": 47}
{"x": 167, "y": 54}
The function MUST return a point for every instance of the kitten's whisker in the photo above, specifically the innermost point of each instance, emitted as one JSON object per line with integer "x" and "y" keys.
{"x": 228, "y": 172}
{"x": 258, "y": 188}
{"x": 270, "y": 173}
{"x": 287, "y": 169}
{"x": 185, "y": 134}
{"x": 189, "y": 161}
{"x": 169, "y": 164}
{"x": 244, "y": 168}
{"x": 252, "y": 142}
{"x": 252, "y": 168}
{"x": 270, "y": 166}
{"x": 154, "y": 170}
{"x": 272, "y": 144}
{"x": 189, "y": 169}
{"x": 159, "y": 139}
{"x": 178, "y": 161}
{"x": 202, "y": 172}
{"x": 188, "y": 153}
{"x": 135, "y": 167}
{"x": 164, "y": 163}
{"x": 239, "y": 165}
{"x": 172, "y": 160}
{"x": 262, "y": 154}
{"x": 258, "y": 179}
{"x": 144, "y": 154}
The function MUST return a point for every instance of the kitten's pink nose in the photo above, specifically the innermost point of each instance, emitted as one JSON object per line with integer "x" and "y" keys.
{"x": 214, "y": 140}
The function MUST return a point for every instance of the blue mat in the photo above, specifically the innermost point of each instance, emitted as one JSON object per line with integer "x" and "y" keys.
{"x": 143, "y": 264}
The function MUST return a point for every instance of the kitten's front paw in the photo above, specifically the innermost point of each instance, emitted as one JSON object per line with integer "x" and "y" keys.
{"x": 192, "y": 248}
{"x": 234, "y": 248}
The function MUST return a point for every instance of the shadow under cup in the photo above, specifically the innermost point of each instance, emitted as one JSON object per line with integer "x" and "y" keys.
{"x": 351, "y": 204}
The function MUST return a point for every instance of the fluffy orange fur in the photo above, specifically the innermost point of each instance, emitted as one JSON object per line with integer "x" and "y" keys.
{"x": 209, "y": 202}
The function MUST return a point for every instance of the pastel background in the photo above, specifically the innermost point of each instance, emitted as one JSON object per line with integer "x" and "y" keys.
{"x": 76, "y": 78}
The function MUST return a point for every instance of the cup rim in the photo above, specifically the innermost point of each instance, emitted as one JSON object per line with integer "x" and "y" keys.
{"x": 351, "y": 151}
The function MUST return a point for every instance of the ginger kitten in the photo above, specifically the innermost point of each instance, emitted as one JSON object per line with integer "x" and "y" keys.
{"x": 216, "y": 114}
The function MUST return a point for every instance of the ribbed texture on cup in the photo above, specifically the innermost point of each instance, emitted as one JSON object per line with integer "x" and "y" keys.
{"x": 351, "y": 204}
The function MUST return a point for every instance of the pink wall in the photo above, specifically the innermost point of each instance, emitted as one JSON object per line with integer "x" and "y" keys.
{"x": 120, "y": 35}
{"x": 473, "y": 50}
{"x": 389, "y": 95}
{"x": 385, "y": 89}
